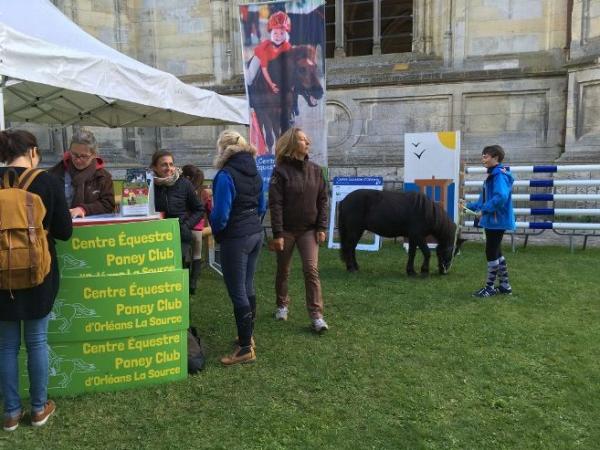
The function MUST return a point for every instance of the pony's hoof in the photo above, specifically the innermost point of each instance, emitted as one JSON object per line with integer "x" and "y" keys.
{"x": 424, "y": 274}
{"x": 352, "y": 269}
{"x": 411, "y": 274}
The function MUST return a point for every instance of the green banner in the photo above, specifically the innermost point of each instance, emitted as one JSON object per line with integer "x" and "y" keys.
{"x": 124, "y": 330}
{"x": 121, "y": 248}
{"x": 118, "y": 306}
{"x": 110, "y": 365}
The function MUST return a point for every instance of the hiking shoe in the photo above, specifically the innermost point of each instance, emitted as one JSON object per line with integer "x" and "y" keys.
{"x": 487, "y": 291}
{"x": 281, "y": 313}
{"x": 241, "y": 355}
{"x": 506, "y": 290}
{"x": 12, "y": 423}
{"x": 252, "y": 342}
{"x": 40, "y": 418}
{"x": 319, "y": 325}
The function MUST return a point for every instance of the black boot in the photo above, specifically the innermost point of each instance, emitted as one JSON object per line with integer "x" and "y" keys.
{"x": 252, "y": 301}
{"x": 243, "y": 320}
{"x": 195, "y": 269}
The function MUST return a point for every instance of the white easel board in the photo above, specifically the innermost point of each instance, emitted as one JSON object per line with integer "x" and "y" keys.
{"x": 343, "y": 186}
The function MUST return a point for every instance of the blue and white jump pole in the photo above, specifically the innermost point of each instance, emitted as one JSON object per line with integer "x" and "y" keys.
{"x": 549, "y": 183}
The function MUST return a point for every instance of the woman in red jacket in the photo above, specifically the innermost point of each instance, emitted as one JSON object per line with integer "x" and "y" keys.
{"x": 88, "y": 185}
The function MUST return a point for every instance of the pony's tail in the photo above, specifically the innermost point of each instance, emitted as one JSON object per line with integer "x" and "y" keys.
{"x": 342, "y": 230}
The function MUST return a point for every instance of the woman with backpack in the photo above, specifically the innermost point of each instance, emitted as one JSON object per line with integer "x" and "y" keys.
{"x": 28, "y": 307}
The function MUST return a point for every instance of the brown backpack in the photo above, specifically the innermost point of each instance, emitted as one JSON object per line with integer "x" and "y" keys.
{"x": 24, "y": 256}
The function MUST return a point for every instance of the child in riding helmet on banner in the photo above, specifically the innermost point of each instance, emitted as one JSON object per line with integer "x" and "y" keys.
{"x": 279, "y": 26}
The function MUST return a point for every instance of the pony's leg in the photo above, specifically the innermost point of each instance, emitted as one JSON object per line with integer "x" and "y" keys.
{"x": 275, "y": 124}
{"x": 349, "y": 241}
{"x": 264, "y": 121}
{"x": 422, "y": 243}
{"x": 412, "y": 251}
{"x": 263, "y": 115}
{"x": 285, "y": 119}
{"x": 271, "y": 132}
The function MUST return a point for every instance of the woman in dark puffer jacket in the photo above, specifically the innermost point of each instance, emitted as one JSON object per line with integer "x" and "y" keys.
{"x": 175, "y": 196}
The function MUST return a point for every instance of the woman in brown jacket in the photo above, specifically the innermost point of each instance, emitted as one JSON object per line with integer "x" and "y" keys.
{"x": 298, "y": 202}
{"x": 88, "y": 186}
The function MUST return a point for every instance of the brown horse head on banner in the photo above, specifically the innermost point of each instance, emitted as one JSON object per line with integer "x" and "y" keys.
{"x": 296, "y": 74}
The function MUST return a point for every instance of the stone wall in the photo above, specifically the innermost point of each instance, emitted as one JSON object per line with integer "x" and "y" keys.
{"x": 583, "y": 95}
{"x": 174, "y": 35}
{"x": 521, "y": 73}
{"x": 526, "y": 115}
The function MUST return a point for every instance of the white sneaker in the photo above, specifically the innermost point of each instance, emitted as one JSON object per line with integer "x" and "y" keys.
{"x": 319, "y": 325}
{"x": 281, "y": 313}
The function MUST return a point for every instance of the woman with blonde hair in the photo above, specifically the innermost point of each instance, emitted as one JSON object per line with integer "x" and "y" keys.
{"x": 238, "y": 204}
{"x": 298, "y": 201}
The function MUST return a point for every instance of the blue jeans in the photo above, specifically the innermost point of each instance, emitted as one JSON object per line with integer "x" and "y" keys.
{"x": 238, "y": 262}
{"x": 36, "y": 338}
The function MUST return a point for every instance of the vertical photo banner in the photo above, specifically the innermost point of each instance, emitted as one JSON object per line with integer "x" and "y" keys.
{"x": 283, "y": 49}
{"x": 432, "y": 165}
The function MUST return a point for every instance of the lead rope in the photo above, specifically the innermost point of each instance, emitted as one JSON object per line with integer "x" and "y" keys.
{"x": 456, "y": 233}
{"x": 461, "y": 178}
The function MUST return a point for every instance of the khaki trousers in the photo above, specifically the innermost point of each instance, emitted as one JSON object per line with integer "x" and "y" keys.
{"x": 309, "y": 254}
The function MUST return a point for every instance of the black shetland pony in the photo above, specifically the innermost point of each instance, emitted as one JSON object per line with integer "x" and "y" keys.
{"x": 295, "y": 73}
{"x": 391, "y": 214}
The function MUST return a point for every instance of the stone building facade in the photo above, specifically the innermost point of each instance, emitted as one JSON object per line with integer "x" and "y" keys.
{"x": 521, "y": 73}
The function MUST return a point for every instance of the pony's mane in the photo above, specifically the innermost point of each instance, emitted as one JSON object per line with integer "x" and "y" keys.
{"x": 442, "y": 227}
{"x": 304, "y": 51}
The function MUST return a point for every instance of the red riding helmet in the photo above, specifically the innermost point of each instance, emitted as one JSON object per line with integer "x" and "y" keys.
{"x": 279, "y": 20}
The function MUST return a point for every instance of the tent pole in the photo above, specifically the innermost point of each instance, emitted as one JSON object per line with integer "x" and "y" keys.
{"x": 2, "y": 84}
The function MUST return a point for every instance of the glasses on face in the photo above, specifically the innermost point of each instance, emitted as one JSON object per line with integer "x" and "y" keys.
{"x": 80, "y": 156}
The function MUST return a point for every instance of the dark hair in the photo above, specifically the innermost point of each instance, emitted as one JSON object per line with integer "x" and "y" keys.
{"x": 195, "y": 175}
{"x": 159, "y": 154}
{"x": 495, "y": 151}
{"x": 15, "y": 143}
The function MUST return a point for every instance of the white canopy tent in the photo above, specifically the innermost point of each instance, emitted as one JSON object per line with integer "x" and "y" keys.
{"x": 54, "y": 72}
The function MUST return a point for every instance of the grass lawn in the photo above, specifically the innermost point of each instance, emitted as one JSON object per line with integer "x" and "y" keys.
{"x": 407, "y": 363}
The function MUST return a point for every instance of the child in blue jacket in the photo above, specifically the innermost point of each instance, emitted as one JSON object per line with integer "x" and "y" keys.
{"x": 495, "y": 212}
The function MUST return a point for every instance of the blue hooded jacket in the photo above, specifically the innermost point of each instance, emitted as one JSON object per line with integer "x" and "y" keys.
{"x": 495, "y": 201}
